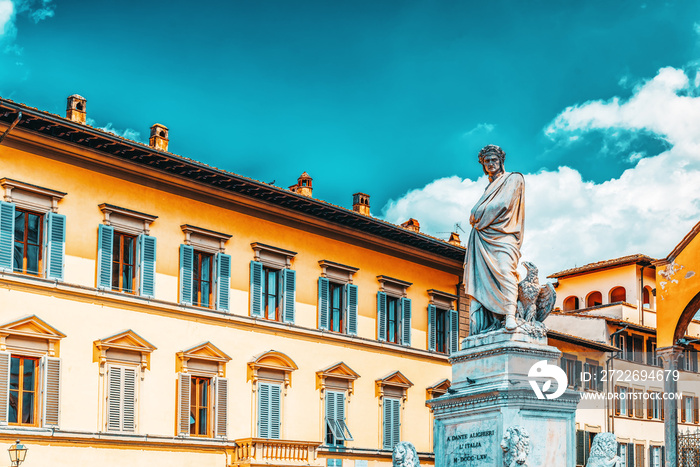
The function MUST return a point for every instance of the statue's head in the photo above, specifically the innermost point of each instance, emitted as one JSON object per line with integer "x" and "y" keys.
{"x": 405, "y": 455}
{"x": 487, "y": 157}
{"x": 604, "y": 446}
{"x": 515, "y": 445}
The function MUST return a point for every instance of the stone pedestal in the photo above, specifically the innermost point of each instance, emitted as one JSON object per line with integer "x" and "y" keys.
{"x": 490, "y": 392}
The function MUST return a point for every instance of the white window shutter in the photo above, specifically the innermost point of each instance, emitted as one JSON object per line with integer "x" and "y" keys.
{"x": 183, "y": 404}
{"x": 4, "y": 386}
{"x": 114, "y": 398}
{"x": 51, "y": 389}
{"x": 220, "y": 406}
{"x": 129, "y": 404}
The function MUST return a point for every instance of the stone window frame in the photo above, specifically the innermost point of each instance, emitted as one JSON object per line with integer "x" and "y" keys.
{"x": 393, "y": 287}
{"x": 337, "y": 272}
{"x": 271, "y": 256}
{"x": 126, "y": 220}
{"x": 438, "y": 389}
{"x": 30, "y": 197}
{"x": 342, "y": 380}
{"x": 201, "y": 239}
{"x": 127, "y": 342}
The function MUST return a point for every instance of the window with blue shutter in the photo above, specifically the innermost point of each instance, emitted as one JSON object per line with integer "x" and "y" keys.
{"x": 323, "y": 303}
{"x": 454, "y": 331}
{"x": 7, "y": 235}
{"x": 392, "y": 422}
{"x": 288, "y": 286}
{"x": 337, "y": 431}
{"x": 406, "y": 321}
{"x": 147, "y": 267}
{"x": 351, "y": 294}
{"x": 105, "y": 237}
{"x": 432, "y": 327}
{"x": 381, "y": 316}
{"x": 256, "y": 295}
{"x": 55, "y": 245}
{"x": 223, "y": 281}
{"x": 186, "y": 268}
{"x": 269, "y": 410}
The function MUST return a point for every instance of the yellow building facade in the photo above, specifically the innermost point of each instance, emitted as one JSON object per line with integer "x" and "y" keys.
{"x": 155, "y": 310}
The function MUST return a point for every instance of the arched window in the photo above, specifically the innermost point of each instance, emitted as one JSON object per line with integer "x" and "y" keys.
{"x": 618, "y": 294}
{"x": 594, "y": 299}
{"x": 571, "y": 303}
{"x": 646, "y": 297}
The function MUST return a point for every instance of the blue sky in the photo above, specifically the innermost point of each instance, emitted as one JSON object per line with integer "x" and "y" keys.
{"x": 594, "y": 101}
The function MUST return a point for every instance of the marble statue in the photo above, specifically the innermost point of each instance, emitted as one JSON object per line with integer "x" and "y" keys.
{"x": 535, "y": 302}
{"x": 516, "y": 446}
{"x": 493, "y": 249}
{"x": 604, "y": 452}
{"x": 405, "y": 455}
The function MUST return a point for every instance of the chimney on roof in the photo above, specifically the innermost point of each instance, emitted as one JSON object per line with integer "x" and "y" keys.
{"x": 159, "y": 137}
{"x": 75, "y": 110}
{"x": 454, "y": 239}
{"x": 360, "y": 203}
{"x": 304, "y": 185}
{"x": 411, "y": 224}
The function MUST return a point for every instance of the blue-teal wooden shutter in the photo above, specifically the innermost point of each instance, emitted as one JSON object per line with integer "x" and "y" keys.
{"x": 381, "y": 316}
{"x": 147, "y": 273}
{"x": 55, "y": 245}
{"x": 263, "y": 410}
{"x": 186, "y": 268}
{"x": 454, "y": 331}
{"x": 289, "y": 285}
{"x": 330, "y": 413}
{"x": 4, "y": 387}
{"x": 275, "y": 411}
{"x": 351, "y": 294}
{"x": 406, "y": 321}
{"x": 7, "y": 235}
{"x": 256, "y": 296}
{"x": 432, "y": 327}
{"x": 392, "y": 414}
{"x": 324, "y": 303}
{"x": 105, "y": 237}
{"x": 223, "y": 281}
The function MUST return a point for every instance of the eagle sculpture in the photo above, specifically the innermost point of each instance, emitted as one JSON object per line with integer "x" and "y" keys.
{"x": 535, "y": 302}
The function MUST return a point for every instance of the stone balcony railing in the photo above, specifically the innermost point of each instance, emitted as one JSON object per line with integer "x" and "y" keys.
{"x": 262, "y": 452}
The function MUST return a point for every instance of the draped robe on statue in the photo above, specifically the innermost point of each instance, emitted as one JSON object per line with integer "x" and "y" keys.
{"x": 493, "y": 252}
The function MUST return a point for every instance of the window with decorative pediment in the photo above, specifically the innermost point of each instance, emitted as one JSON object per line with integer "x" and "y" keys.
{"x": 205, "y": 270}
{"x": 32, "y": 233}
{"x": 272, "y": 283}
{"x": 337, "y": 298}
{"x": 202, "y": 392}
{"x": 271, "y": 375}
{"x": 123, "y": 359}
{"x": 438, "y": 389}
{"x": 393, "y": 311}
{"x": 30, "y": 373}
{"x": 392, "y": 392}
{"x": 126, "y": 252}
{"x": 336, "y": 384}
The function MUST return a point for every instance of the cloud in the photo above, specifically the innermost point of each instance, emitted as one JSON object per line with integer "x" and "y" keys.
{"x": 128, "y": 133}
{"x": 481, "y": 128}
{"x": 647, "y": 209}
{"x": 37, "y": 10}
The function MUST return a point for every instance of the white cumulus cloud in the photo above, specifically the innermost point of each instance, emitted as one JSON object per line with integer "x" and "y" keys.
{"x": 647, "y": 209}
{"x": 37, "y": 10}
{"x": 127, "y": 133}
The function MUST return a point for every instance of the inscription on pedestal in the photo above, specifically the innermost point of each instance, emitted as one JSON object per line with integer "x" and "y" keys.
{"x": 471, "y": 444}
